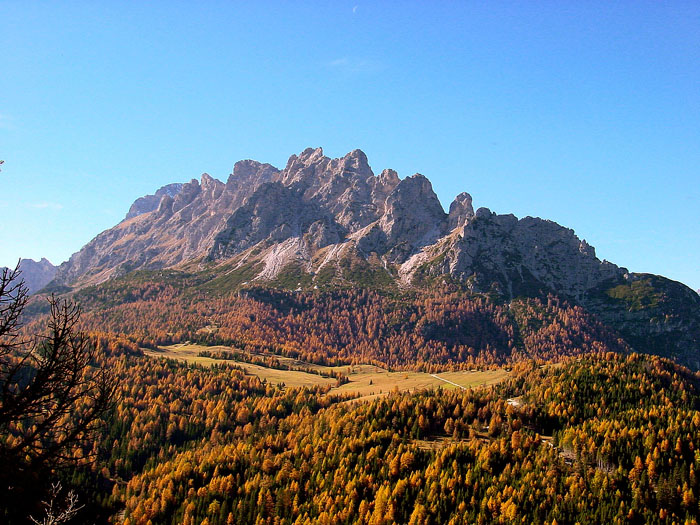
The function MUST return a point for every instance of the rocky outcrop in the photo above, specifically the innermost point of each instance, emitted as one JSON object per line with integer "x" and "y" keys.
{"x": 316, "y": 200}
{"x": 275, "y": 213}
{"x": 180, "y": 228}
{"x": 517, "y": 257}
{"x": 412, "y": 218}
{"x": 346, "y": 187}
{"x": 461, "y": 211}
{"x": 149, "y": 203}
{"x": 247, "y": 176}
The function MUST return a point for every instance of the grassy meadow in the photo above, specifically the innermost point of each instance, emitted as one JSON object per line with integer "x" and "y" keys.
{"x": 366, "y": 381}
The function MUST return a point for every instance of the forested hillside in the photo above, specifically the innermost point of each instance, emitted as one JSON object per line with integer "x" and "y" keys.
{"x": 602, "y": 439}
{"x": 445, "y": 327}
{"x": 579, "y": 430}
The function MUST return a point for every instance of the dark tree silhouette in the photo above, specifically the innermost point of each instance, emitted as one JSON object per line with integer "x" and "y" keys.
{"x": 53, "y": 394}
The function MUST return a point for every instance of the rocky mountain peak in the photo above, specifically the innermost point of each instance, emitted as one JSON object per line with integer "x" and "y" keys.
{"x": 356, "y": 162}
{"x": 246, "y": 172}
{"x": 483, "y": 213}
{"x": 415, "y": 192}
{"x": 148, "y": 203}
{"x": 313, "y": 168}
{"x": 211, "y": 188}
{"x": 461, "y": 211}
{"x": 303, "y": 169}
{"x": 208, "y": 181}
{"x": 312, "y": 155}
{"x": 187, "y": 194}
{"x": 586, "y": 249}
{"x": 306, "y": 158}
{"x": 520, "y": 255}
{"x": 311, "y": 152}
{"x": 165, "y": 208}
{"x": 389, "y": 178}
{"x": 413, "y": 217}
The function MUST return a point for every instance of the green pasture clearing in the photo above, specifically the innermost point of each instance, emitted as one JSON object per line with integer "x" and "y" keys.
{"x": 367, "y": 381}
{"x": 291, "y": 378}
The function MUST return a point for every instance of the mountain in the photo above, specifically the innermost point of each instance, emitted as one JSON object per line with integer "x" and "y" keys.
{"x": 36, "y": 275}
{"x": 318, "y": 211}
{"x": 323, "y": 222}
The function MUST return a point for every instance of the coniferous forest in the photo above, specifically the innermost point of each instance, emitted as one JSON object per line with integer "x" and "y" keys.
{"x": 582, "y": 430}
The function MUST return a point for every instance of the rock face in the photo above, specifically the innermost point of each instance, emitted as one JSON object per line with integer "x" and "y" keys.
{"x": 36, "y": 275}
{"x": 461, "y": 211}
{"x": 275, "y": 213}
{"x": 180, "y": 228}
{"x": 412, "y": 218}
{"x": 518, "y": 256}
{"x": 149, "y": 203}
{"x": 345, "y": 187}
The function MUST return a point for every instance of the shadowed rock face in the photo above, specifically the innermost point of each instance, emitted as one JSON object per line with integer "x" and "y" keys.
{"x": 275, "y": 213}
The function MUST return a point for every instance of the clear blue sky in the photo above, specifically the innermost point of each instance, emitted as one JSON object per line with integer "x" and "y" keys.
{"x": 586, "y": 113}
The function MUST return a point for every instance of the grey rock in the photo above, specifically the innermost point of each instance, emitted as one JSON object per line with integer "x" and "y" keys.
{"x": 179, "y": 228}
{"x": 520, "y": 256}
{"x": 461, "y": 211}
{"x": 36, "y": 274}
{"x": 412, "y": 218}
{"x": 149, "y": 203}
{"x": 274, "y": 213}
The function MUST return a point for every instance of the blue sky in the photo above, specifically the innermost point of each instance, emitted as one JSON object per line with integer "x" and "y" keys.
{"x": 586, "y": 113}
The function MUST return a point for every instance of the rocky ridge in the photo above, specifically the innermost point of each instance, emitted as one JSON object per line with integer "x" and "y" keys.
{"x": 149, "y": 203}
{"x": 330, "y": 209}
{"x": 180, "y": 228}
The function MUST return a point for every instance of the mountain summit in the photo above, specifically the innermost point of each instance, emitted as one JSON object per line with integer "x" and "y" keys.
{"x": 318, "y": 212}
